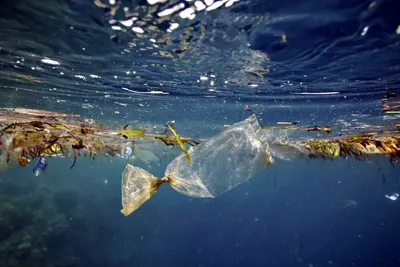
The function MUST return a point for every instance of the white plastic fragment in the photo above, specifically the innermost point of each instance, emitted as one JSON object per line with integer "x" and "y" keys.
{"x": 393, "y": 196}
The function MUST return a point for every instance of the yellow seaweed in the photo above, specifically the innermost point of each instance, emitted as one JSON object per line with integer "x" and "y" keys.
{"x": 132, "y": 132}
{"x": 178, "y": 139}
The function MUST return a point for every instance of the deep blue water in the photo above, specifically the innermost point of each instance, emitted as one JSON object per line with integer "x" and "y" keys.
{"x": 260, "y": 54}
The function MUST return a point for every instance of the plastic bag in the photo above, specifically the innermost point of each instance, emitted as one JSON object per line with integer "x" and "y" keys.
{"x": 137, "y": 187}
{"x": 218, "y": 165}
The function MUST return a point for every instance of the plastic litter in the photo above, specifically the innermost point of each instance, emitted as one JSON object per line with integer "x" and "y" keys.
{"x": 41, "y": 165}
{"x": 393, "y": 196}
{"x": 217, "y": 165}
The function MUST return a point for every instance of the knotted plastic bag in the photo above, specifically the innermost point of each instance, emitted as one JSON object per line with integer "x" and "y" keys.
{"x": 218, "y": 165}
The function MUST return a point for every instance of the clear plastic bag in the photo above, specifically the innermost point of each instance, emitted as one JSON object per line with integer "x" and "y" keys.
{"x": 218, "y": 165}
{"x": 137, "y": 187}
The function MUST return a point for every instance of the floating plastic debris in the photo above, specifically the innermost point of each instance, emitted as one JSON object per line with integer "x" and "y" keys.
{"x": 41, "y": 165}
{"x": 393, "y": 196}
{"x": 127, "y": 152}
{"x": 241, "y": 151}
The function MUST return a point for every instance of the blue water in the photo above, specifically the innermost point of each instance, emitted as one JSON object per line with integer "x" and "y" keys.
{"x": 261, "y": 54}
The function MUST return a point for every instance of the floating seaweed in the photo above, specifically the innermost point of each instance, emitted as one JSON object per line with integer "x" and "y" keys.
{"x": 30, "y": 134}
